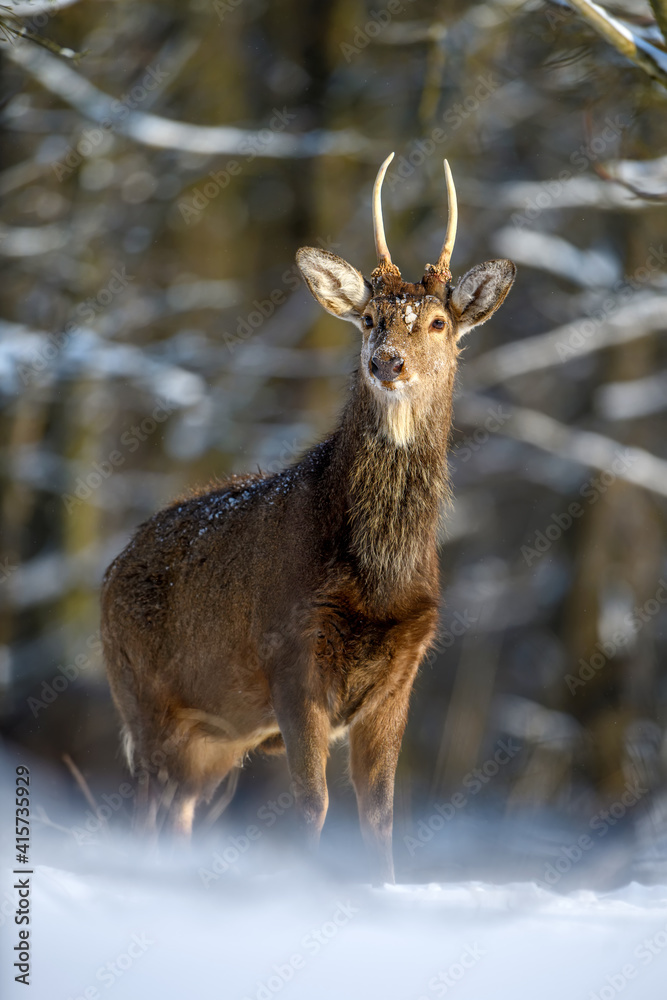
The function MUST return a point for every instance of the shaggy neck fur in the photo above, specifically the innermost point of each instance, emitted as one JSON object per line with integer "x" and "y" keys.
{"x": 394, "y": 467}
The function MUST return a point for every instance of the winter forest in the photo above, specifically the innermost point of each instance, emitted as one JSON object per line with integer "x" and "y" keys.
{"x": 162, "y": 164}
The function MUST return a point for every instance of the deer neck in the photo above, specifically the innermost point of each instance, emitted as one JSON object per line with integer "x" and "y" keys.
{"x": 392, "y": 458}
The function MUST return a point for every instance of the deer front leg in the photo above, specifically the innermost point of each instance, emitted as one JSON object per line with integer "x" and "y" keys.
{"x": 375, "y": 742}
{"x": 305, "y": 729}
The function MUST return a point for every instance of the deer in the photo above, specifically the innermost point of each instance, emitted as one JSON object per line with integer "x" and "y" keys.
{"x": 278, "y": 613}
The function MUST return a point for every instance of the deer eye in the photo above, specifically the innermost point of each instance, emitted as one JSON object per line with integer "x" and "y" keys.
{"x": 438, "y": 324}
{"x": 368, "y": 321}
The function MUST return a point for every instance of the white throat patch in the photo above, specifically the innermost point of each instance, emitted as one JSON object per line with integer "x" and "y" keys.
{"x": 398, "y": 420}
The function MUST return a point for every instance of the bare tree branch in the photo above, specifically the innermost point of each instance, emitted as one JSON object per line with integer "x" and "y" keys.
{"x": 16, "y": 23}
{"x": 587, "y": 448}
{"x": 660, "y": 11}
{"x": 632, "y": 398}
{"x": 27, "y": 9}
{"x": 572, "y": 193}
{"x": 643, "y": 315}
{"x": 163, "y": 133}
{"x": 612, "y": 178}
{"x": 649, "y": 58}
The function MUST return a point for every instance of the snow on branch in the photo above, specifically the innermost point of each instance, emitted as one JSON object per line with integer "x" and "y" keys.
{"x": 621, "y": 324}
{"x": 587, "y": 448}
{"x": 28, "y": 9}
{"x": 556, "y": 255}
{"x": 23, "y": 21}
{"x": 632, "y": 398}
{"x": 646, "y": 179}
{"x": 30, "y": 357}
{"x": 648, "y": 57}
{"x": 163, "y": 133}
{"x": 536, "y": 197}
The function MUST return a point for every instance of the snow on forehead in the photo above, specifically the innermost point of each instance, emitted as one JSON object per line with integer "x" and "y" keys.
{"x": 409, "y": 306}
{"x": 414, "y": 301}
{"x": 410, "y": 314}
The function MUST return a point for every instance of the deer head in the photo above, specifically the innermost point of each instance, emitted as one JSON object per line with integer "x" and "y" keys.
{"x": 410, "y": 331}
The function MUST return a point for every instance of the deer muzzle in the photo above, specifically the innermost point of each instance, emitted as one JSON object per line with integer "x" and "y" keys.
{"x": 386, "y": 369}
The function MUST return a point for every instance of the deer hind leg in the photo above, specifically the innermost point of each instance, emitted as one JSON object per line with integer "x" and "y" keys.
{"x": 181, "y": 813}
{"x": 203, "y": 765}
{"x": 306, "y": 729}
{"x": 177, "y": 768}
{"x": 147, "y": 803}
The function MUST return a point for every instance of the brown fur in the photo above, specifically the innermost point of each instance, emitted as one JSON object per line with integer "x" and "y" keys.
{"x": 272, "y": 612}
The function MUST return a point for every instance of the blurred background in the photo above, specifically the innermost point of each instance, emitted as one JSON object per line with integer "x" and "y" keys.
{"x": 162, "y": 164}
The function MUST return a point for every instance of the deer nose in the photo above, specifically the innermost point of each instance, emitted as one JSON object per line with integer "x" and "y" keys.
{"x": 386, "y": 369}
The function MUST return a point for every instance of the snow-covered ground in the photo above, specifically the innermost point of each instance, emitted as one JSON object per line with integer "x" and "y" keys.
{"x": 173, "y": 931}
{"x": 243, "y": 917}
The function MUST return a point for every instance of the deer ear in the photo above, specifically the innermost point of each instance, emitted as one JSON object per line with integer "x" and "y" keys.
{"x": 479, "y": 293}
{"x": 336, "y": 285}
